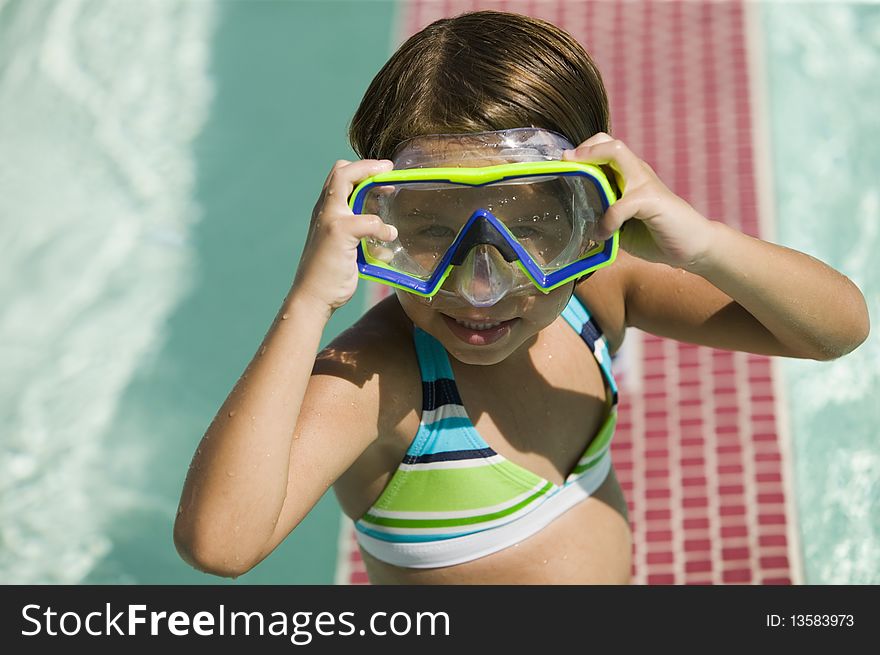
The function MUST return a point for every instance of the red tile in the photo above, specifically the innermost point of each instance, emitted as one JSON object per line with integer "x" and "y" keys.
{"x": 359, "y": 577}
{"x": 777, "y": 562}
{"x": 768, "y": 457}
{"x": 699, "y": 481}
{"x": 769, "y": 476}
{"x": 658, "y": 514}
{"x": 731, "y": 510}
{"x": 698, "y": 565}
{"x": 771, "y": 498}
{"x": 772, "y": 540}
{"x": 771, "y": 519}
{"x": 729, "y": 531}
{"x": 697, "y": 545}
{"x": 694, "y": 502}
{"x": 730, "y": 468}
{"x": 657, "y": 453}
{"x": 693, "y": 461}
{"x": 696, "y": 523}
{"x": 665, "y": 578}
{"x": 657, "y": 493}
{"x": 731, "y": 489}
{"x": 728, "y": 554}
{"x": 660, "y": 558}
{"x": 738, "y": 575}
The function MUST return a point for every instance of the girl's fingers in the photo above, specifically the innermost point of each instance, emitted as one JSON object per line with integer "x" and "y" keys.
{"x": 627, "y": 167}
{"x": 616, "y": 215}
{"x": 363, "y": 226}
{"x": 343, "y": 179}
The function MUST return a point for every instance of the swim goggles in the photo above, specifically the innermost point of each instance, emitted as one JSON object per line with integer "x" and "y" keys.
{"x": 499, "y": 208}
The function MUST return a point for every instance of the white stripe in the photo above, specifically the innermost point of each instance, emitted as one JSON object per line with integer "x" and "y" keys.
{"x": 444, "y": 411}
{"x": 528, "y": 509}
{"x": 458, "y": 514}
{"x": 476, "y": 462}
{"x": 447, "y": 552}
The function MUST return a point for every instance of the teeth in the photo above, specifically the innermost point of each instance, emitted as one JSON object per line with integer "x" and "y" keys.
{"x": 477, "y": 326}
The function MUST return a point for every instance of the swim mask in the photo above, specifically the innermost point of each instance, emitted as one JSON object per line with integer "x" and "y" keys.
{"x": 497, "y": 210}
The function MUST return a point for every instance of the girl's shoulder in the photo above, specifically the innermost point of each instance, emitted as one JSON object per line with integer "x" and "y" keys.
{"x": 375, "y": 361}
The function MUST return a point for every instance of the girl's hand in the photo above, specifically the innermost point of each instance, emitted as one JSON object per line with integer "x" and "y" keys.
{"x": 666, "y": 229}
{"x": 327, "y": 272}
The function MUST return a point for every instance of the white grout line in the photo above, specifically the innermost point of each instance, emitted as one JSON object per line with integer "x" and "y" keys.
{"x": 767, "y": 221}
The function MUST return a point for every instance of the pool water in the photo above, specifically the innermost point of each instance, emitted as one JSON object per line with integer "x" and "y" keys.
{"x": 161, "y": 161}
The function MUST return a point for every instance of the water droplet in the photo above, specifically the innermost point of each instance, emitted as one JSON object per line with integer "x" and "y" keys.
{"x": 263, "y": 350}
{"x": 545, "y": 561}
{"x": 179, "y": 510}
{"x": 230, "y": 474}
{"x": 231, "y": 413}
{"x": 296, "y": 436}
{"x": 284, "y": 317}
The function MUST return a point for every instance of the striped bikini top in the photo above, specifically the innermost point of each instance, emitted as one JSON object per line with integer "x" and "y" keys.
{"x": 453, "y": 498}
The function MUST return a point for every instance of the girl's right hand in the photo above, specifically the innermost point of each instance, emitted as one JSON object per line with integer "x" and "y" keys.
{"x": 327, "y": 272}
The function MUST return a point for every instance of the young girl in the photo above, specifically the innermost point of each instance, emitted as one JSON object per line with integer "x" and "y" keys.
{"x": 464, "y": 450}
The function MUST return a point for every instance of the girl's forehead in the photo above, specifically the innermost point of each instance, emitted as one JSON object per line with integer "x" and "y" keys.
{"x": 473, "y": 149}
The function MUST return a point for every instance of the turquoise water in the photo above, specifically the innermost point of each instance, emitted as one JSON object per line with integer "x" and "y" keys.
{"x": 823, "y": 65}
{"x": 160, "y": 162}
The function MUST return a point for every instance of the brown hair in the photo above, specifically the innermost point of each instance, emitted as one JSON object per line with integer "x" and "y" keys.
{"x": 481, "y": 71}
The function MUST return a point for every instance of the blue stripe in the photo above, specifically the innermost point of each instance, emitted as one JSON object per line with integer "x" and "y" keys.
{"x": 445, "y": 436}
{"x": 433, "y": 361}
{"x": 450, "y": 456}
{"x": 407, "y": 538}
{"x": 437, "y": 393}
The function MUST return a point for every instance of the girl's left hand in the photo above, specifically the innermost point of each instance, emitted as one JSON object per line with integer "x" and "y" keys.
{"x": 658, "y": 225}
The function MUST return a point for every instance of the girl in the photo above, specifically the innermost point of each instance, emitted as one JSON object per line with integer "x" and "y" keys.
{"x": 468, "y": 436}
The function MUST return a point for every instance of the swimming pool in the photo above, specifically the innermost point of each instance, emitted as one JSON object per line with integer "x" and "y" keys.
{"x": 154, "y": 200}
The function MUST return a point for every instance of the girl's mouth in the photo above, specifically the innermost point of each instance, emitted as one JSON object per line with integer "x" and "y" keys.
{"x": 478, "y": 333}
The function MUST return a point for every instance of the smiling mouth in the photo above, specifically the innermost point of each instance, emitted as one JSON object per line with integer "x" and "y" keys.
{"x": 477, "y": 325}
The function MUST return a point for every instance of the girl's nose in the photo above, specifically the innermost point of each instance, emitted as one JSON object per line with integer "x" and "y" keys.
{"x": 484, "y": 277}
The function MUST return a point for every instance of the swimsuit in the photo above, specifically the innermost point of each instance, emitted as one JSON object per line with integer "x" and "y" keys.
{"x": 454, "y": 499}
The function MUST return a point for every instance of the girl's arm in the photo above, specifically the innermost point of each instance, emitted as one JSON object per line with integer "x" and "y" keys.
{"x": 262, "y": 464}
{"x": 720, "y": 287}
{"x": 824, "y": 319}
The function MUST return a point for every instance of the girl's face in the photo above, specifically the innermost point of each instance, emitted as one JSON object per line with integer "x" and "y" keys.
{"x": 524, "y": 316}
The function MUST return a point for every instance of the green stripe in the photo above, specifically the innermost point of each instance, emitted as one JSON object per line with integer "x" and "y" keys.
{"x": 455, "y": 489}
{"x": 449, "y": 523}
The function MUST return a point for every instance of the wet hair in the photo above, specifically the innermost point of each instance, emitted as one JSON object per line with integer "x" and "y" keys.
{"x": 481, "y": 71}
